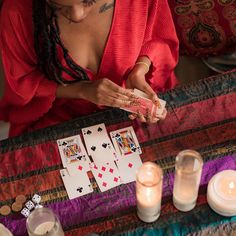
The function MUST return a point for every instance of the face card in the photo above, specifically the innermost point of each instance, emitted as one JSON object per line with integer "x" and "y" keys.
{"x": 125, "y": 141}
{"x": 128, "y": 167}
{"x": 76, "y": 186}
{"x": 72, "y": 151}
{"x": 98, "y": 144}
{"x": 157, "y": 110}
{"x": 106, "y": 175}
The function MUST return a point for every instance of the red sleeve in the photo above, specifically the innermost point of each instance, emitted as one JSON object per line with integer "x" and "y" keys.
{"x": 160, "y": 44}
{"x": 28, "y": 94}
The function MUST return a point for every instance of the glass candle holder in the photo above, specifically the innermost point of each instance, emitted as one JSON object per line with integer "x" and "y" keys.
{"x": 149, "y": 191}
{"x": 221, "y": 193}
{"x": 188, "y": 170}
{"x": 43, "y": 222}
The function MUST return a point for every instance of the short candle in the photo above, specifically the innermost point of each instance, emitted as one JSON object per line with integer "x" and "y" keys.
{"x": 43, "y": 222}
{"x": 44, "y": 228}
{"x": 221, "y": 193}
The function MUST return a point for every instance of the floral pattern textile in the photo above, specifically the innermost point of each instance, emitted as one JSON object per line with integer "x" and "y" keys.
{"x": 205, "y": 27}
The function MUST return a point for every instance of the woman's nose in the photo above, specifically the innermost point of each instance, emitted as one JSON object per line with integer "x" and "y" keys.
{"x": 77, "y": 13}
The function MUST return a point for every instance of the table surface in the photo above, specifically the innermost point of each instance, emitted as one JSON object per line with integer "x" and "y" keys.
{"x": 201, "y": 116}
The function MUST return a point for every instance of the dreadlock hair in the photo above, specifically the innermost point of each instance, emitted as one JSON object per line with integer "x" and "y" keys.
{"x": 46, "y": 41}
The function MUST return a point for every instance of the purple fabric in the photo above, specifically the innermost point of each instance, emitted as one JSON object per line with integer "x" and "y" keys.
{"x": 93, "y": 206}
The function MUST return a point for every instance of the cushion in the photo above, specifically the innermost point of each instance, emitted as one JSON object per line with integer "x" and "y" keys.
{"x": 205, "y": 27}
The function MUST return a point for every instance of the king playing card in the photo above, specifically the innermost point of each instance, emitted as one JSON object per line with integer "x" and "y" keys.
{"x": 73, "y": 153}
{"x": 125, "y": 141}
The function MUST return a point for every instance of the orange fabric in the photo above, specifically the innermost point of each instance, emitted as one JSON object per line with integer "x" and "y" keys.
{"x": 139, "y": 28}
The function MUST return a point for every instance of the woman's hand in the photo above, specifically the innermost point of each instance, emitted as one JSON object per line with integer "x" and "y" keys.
{"x": 102, "y": 92}
{"x": 136, "y": 79}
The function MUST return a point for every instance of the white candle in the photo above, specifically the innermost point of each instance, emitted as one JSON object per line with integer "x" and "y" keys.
{"x": 185, "y": 192}
{"x": 149, "y": 191}
{"x": 221, "y": 193}
{"x": 43, "y": 222}
{"x": 4, "y": 231}
{"x": 44, "y": 228}
{"x": 188, "y": 168}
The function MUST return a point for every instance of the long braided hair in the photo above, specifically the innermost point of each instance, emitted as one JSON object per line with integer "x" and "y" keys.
{"x": 46, "y": 42}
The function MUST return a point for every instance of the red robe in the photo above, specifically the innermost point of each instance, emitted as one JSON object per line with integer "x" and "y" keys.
{"x": 139, "y": 28}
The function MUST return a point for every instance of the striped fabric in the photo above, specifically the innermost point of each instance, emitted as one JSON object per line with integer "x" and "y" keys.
{"x": 201, "y": 116}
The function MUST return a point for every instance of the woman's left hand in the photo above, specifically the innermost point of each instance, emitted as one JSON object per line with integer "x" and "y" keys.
{"x": 136, "y": 79}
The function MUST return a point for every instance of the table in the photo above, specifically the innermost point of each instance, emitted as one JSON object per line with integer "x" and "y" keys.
{"x": 201, "y": 116}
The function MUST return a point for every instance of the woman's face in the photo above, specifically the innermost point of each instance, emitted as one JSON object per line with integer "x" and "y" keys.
{"x": 74, "y": 10}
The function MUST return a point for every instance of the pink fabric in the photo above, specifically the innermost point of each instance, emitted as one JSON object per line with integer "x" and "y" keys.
{"x": 139, "y": 28}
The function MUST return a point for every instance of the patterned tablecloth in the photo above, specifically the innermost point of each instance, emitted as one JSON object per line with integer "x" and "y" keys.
{"x": 201, "y": 116}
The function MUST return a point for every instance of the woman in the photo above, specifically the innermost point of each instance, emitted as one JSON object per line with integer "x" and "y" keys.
{"x": 66, "y": 58}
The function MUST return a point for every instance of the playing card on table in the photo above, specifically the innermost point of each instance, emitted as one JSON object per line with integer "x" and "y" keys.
{"x": 125, "y": 141}
{"x": 106, "y": 175}
{"x": 98, "y": 144}
{"x": 75, "y": 168}
{"x": 128, "y": 167}
{"x": 76, "y": 186}
{"x": 72, "y": 152}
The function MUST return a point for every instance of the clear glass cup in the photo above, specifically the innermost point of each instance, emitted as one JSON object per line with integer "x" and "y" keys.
{"x": 188, "y": 170}
{"x": 43, "y": 222}
{"x": 149, "y": 191}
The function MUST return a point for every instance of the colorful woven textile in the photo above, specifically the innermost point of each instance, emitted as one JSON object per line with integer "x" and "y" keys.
{"x": 201, "y": 116}
{"x": 205, "y": 27}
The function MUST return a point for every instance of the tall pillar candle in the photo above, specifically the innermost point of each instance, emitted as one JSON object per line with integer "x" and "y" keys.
{"x": 149, "y": 191}
{"x": 188, "y": 169}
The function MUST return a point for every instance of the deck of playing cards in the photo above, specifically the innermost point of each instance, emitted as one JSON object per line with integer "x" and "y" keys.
{"x": 112, "y": 163}
{"x": 145, "y": 106}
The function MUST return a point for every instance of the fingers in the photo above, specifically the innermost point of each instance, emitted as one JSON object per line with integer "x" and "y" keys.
{"x": 133, "y": 116}
{"x": 110, "y": 94}
{"x": 141, "y": 117}
{"x": 119, "y": 92}
{"x": 146, "y": 88}
{"x": 163, "y": 115}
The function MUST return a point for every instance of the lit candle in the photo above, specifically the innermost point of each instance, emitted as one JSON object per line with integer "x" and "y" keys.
{"x": 42, "y": 221}
{"x": 4, "y": 231}
{"x": 149, "y": 191}
{"x": 188, "y": 168}
{"x": 221, "y": 193}
{"x": 44, "y": 228}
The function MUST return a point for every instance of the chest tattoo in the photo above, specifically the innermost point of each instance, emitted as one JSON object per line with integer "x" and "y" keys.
{"x": 106, "y": 6}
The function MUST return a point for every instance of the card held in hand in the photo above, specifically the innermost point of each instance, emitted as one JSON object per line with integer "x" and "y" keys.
{"x": 125, "y": 142}
{"x": 158, "y": 108}
{"x": 144, "y": 106}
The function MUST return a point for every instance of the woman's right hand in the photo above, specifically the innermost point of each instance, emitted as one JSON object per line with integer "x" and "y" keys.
{"x": 102, "y": 92}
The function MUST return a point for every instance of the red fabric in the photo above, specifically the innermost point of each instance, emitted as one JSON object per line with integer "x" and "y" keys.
{"x": 205, "y": 27}
{"x": 140, "y": 27}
